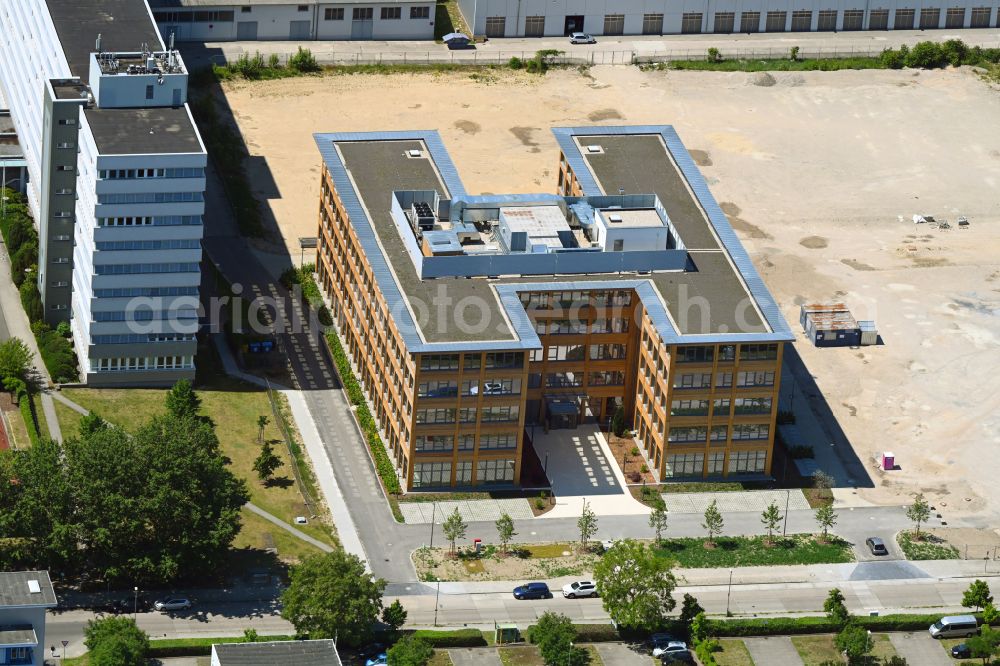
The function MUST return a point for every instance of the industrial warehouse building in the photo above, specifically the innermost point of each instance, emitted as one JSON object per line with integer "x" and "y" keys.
{"x": 214, "y": 21}
{"x": 470, "y": 317}
{"x": 549, "y": 18}
{"x": 116, "y": 181}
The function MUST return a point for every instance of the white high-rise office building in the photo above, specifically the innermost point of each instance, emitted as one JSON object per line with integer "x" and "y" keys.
{"x": 117, "y": 181}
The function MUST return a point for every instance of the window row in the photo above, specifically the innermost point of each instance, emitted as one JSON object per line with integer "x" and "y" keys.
{"x": 149, "y": 197}
{"x": 723, "y": 353}
{"x": 466, "y": 442}
{"x": 176, "y": 244}
{"x": 128, "y": 174}
{"x": 131, "y": 292}
{"x": 449, "y": 362}
{"x": 134, "y": 269}
{"x": 489, "y": 414}
{"x": 142, "y": 363}
{"x": 579, "y": 327}
{"x": 149, "y": 220}
{"x": 214, "y": 16}
{"x": 430, "y": 474}
{"x": 134, "y": 338}
{"x": 696, "y": 464}
{"x": 449, "y": 388}
{"x": 547, "y": 300}
{"x": 144, "y": 315}
{"x": 741, "y": 432}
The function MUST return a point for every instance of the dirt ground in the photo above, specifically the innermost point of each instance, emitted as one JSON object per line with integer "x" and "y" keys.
{"x": 820, "y": 174}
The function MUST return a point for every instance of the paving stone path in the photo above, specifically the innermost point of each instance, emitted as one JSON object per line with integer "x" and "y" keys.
{"x": 749, "y": 500}
{"x": 470, "y": 510}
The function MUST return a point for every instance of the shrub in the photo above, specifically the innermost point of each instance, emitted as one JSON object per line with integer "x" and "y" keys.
{"x": 926, "y": 55}
{"x": 31, "y": 300}
{"x": 714, "y": 55}
{"x": 410, "y": 651}
{"x": 955, "y": 52}
{"x": 57, "y": 354}
{"x": 303, "y": 61}
{"x": 273, "y": 61}
{"x": 515, "y": 63}
{"x": 64, "y": 329}
{"x": 892, "y": 59}
{"x": 705, "y": 651}
{"x": 451, "y": 639}
{"x": 793, "y": 53}
{"x": 618, "y": 422}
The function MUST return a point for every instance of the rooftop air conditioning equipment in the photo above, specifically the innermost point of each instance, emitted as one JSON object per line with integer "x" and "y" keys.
{"x": 414, "y": 153}
{"x": 614, "y": 218}
{"x": 421, "y": 216}
{"x": 150, "y": 64}
{"x": 594, "y": 148}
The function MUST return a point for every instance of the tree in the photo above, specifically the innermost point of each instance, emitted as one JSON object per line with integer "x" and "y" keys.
{"x": 182, "y": 400}
{"x": 854, "y": 641}
{"x": 918, "y": 512}
{"x": 826, "y": 518}
{"x": 894, "y": 660}
{"x": 636, "y": 586}
{"x": 618, "y": 422}
{"x": 658, "y": 521}
{"x": 700, "y": 628}
{"x": 690, "y": 608}
{"x": 115, "y": 641}
{"x": 394, "y": 615}
{"x": 770, "y": 519}
{"x": 554, "y": 634}
{"x": 454, "y": 528}
{"x": 250, "y": 636}
{"x": 587, "y": 524}
{"x": 984, "y": 645}
{"x": 978, "y": 595}
{"x": 410, "y": 651}
{"x": 332, "y": 596}
{"x": 990, "y": 614}
{"x": 505, "y": 530}
{"x": 835, "y": 608}
{"x": 91, "y": 423}
{"x": 262, "y": 422}
{"x": 266, "y": 462}
{"x": 15, "y": 359}
{"x": 822, "y": 482}
{"x": 713, "y": 521}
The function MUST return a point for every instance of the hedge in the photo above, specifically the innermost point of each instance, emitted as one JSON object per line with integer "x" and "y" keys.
{"x": 383, "y": 464}
{"x": 28, "y": 414}
{"x": 198, "y": 647}
{"x": 451, "y": 639}
{"x": 816, "y": 625}
{"x": 311, "y": 294}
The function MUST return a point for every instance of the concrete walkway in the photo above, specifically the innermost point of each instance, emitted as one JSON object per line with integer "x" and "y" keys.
{"x": 59, "y": 397}
{"x": 470, "y": 510}
{"x": 773, "y": 650}
{"x": 325, "y": 547}
{"x": 619, "y": 654}
{"x": 748, "y": 500}
{"x": 474, "y": 657}
{"x": 919, "y": 649}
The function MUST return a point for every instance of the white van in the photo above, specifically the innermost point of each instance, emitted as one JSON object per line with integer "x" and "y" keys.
{"x": 955, "y": 626}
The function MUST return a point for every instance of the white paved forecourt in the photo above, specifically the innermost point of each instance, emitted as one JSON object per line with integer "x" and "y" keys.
{"x": 737, "y": 501}
{"x": 470, "y": 510}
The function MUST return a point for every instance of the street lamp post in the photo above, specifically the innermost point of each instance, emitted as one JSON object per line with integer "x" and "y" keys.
{"x": 729, "y": 592}
{"x": 135, "y": 606}
{"x": 784, "y": 527}
{"x": 433, "y": 513}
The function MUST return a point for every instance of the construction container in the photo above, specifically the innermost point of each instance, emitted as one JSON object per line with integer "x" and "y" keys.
{"x": 830, "y": 325}
{"x": 869, "y": 334}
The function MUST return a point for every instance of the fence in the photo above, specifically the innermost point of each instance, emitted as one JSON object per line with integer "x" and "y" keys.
{"x": 294, "y": 453}
{"x": 472, "y": 57}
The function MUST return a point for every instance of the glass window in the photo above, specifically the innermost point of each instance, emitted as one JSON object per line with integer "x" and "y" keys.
{"x": 751, "y": 431}
{"x": 435, "y": 416}
{"x": 760, "y": 378}
{"x": 467, "y": 415}
{"x": 695, "y": 354}
{"x": 504, "y": 360}
{"x": 566, "y": 352}
{"x": 685, "y": 464}
{"x": 720, "y": 407}
{"x": 719, "y": 433}
{"x": 752, "y": 406}
{"x": 392, "y": 12}
{"x": 466, "y": 442}
{"x": 689, "y": 408}
{"x": 563, "y": 379}
{"x": 716, "y": 463}
{"x": 436, "y": 362}
{"x": 607, "y": 352}
{"x": 688, "y": 434}
{"x": 333, "y": 14}
{"x": 431, "y": 474}
{"x": 507, "y": 440}
{"x": 495, "y": 471}
{"x": 463, "y": 472}
{"x": 437, "y": 389}
{"x": 472, "y": 362}
{"x": 693, "y": 380}
{"x": 501, "y": 413}
{"x": 420, "y": 13}
{"x": 437, "y": 443}
{"x": 765, "y": 352}
{"x": 747, "y": 462}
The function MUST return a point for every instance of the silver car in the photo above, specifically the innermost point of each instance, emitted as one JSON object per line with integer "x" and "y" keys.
{"x": 172, "y": 604}
{"x": 581, "y": 38}
{"x": 580, "y": 588}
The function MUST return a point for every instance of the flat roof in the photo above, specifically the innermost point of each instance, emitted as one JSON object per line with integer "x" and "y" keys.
{"x": 17, "y": 588}
{"x": 124, "y": 25}
{"x": 632, "y": 218}
{"x": 710, "y": 301}
{"x": 278, "y": 653}
{"x": 18, "y": 636}
{"x": 155, "y": 130}
{"x": 161, "y": 4}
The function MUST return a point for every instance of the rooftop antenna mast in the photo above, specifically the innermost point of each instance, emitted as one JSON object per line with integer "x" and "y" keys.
{"x": 98, "y": 45}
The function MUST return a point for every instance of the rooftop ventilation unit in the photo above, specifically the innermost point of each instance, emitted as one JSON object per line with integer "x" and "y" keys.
{"x": 421, "y": 216}
{"x": 594, "y": 148}
{"x": 414, "y": 153}
{"x": 614, "y": 218}
{"x": 34, "y": 587}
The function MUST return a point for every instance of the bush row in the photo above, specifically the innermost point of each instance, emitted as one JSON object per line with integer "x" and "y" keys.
{"x": 22, "y": 245}
{"x": 311, "y": 294}
{"x": 384, "y": 466}
{"x": 27, "y": 407}
{"x": 933, "y": 55}
{"x": 255, "y": 67}
{"x": 451, "y": 639}
{"x": 197, "y": 647}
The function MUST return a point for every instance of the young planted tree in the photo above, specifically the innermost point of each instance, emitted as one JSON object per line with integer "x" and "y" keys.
{"x": 505, "y": 530}
{"x": 267, "y": 462}
{"x": 984, "y": 646}
{"x": 826, "y": 518}
{"x": 690, "y": 608}
{"x": 394, "y": 615}
{"x": 823, "y": 482}
{"x": 182, "y": 401}
{"x": 554, "y": 634}
{"x": 770, "y": 519}
{"x": 713, "y": 522}
{"x": 855, "y": 642}
{"x": 658, "y": 521}
{"x": 978, "y": 595}
{"x": 454, "y": 528}
{"x": 262, "y": 422}
{"x": 618, "y": 422}
{"x": 15, "y": 359}
{"x": 835, "y": 608}
{"x": 919, "y": 512}
{"x": 587, "y": 525}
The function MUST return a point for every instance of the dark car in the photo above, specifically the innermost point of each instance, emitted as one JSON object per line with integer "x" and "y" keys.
{"x": 532, "y": 591}
{"x": 961, "y": 651}
{"x": 876, "y": 546}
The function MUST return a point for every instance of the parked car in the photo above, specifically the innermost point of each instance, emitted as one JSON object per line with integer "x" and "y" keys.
{"x": 378, "y": 660}
{"x": 876, "y": 546}
{"x": 532, "y": 591}
{"x": 371, "y": 650}
{"x": 580, "y": 588}
{"x": 961, "y": 651}
{"x": 667, "y": 644}
{"x": 608, "y": 544}
{"x": 955, "y": 626}
{"x": 676, "y": 653}
{"x": 581, "y": 38}
{"x": 129, "y": 605}
{"x": 172, "y": 604}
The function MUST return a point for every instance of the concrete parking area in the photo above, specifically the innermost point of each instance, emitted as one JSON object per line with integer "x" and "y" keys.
{"x": 919, "y": 649}
{"x": 773, "y": 650}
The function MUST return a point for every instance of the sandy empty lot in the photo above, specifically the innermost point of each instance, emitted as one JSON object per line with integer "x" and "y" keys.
{"x": 814, "y": 171}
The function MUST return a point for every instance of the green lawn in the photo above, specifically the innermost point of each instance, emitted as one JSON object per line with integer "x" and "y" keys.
{"x": 778, "y": 64}
{"x": 929, "y": 547}
{"x": 234, "y": 407}
{"x": 816, "y": 650}
{"x": 528, "y": 655}
{"x": 440, "y": 658}
{"x": 69, "y": 420}
{"x": 734, "y": 653}
{"x": 753, "y": 551}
